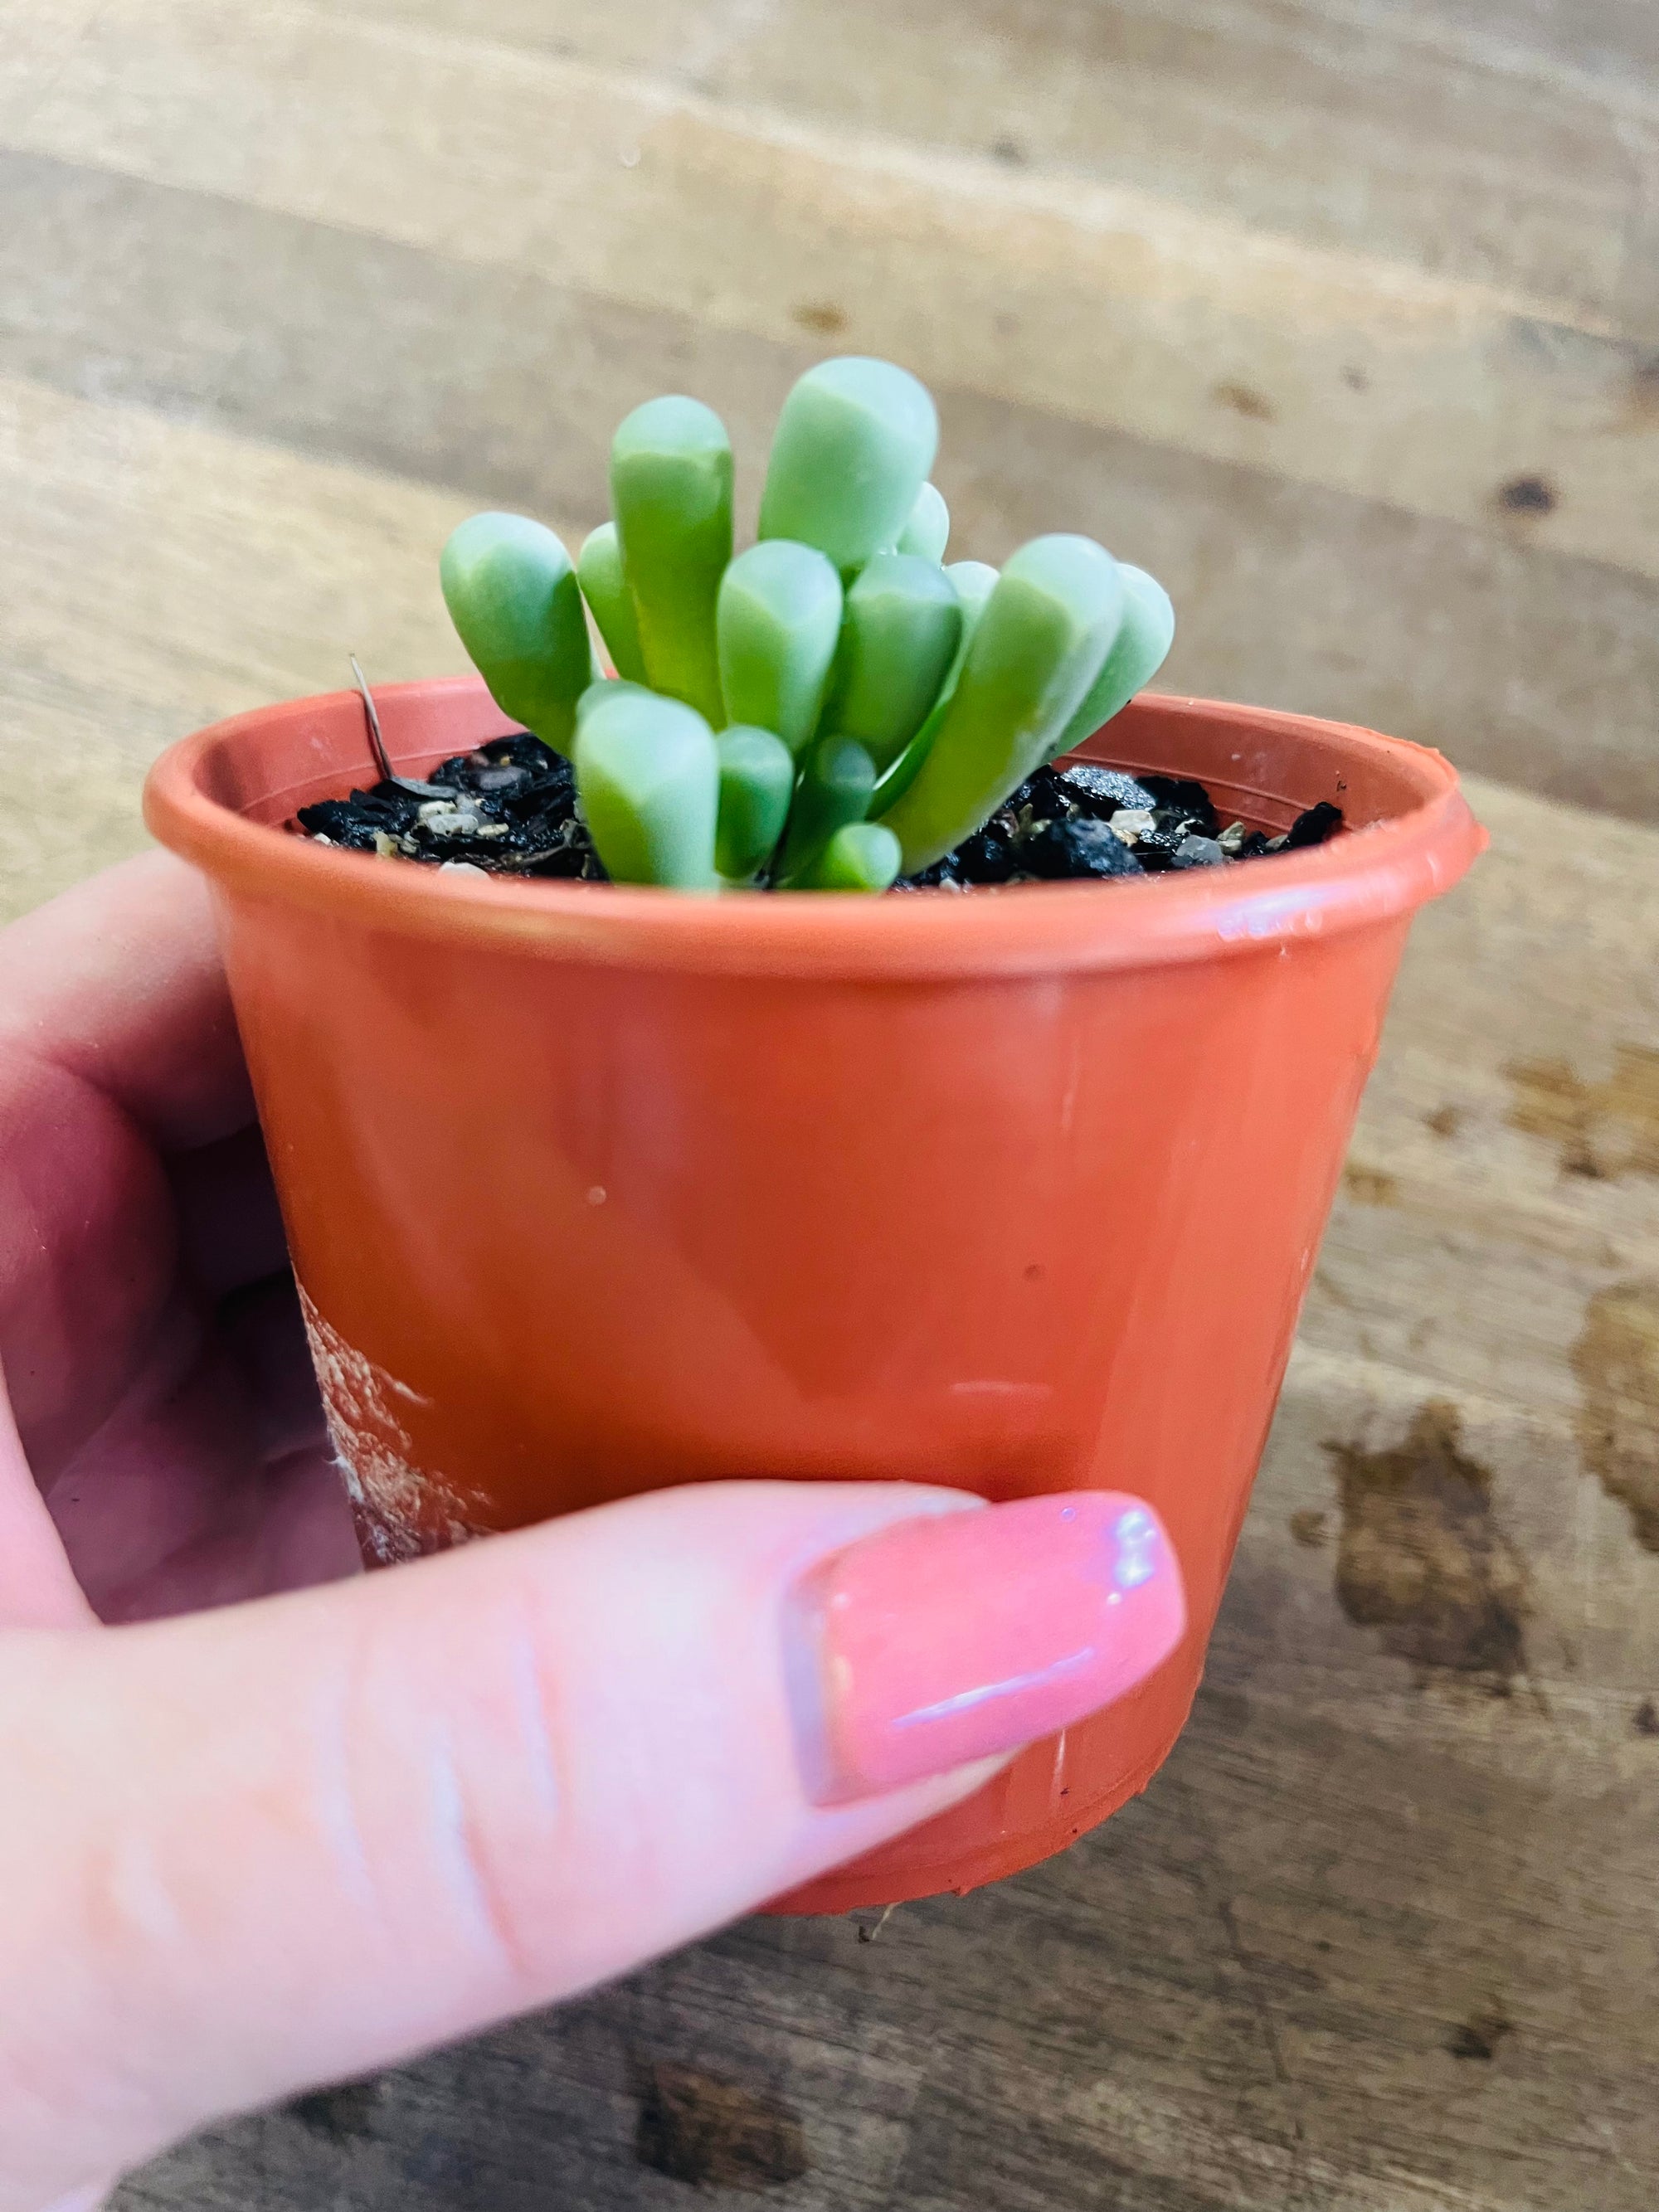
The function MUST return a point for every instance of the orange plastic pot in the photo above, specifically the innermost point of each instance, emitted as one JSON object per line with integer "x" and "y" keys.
{"x": 592, "y": 1190}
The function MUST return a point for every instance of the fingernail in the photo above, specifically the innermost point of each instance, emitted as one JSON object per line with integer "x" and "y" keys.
{"x": 945, "y": 1640}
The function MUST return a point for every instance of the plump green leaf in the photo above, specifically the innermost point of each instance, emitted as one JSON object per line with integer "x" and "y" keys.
{"x": 778, "y": 619}
{"x": 513, "y": 596}
{"x": 647, "y": 778}
{"x": 757, "y": 781}
{"x": 898, "y": 638}
{"x": 1047, "y": 626}
{"x": 1144, "y": 638}
{"x": 851, "y": 451}
{"x": 836, "y": 783}
{"x": 928, "y": 530}
{"x": 604, "y": 688}
{"x": 604, "y": 580}
{"x": 973, "y": 582}
{"x": 864, "y": 856}
{"x": 671, "y": 489}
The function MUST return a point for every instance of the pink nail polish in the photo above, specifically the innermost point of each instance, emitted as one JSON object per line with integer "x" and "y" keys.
{"x": 949, "y": 1639}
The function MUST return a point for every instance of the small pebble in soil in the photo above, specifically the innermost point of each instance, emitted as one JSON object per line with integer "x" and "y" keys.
{"x": 1197, "y": 852}
{"x": 1077, "y": 848}
{"x": 1179, "y": 795}
{"x": 510, "y": 809}
{"x": 1314, "y": 827}
{"x": 1100, "y": 790}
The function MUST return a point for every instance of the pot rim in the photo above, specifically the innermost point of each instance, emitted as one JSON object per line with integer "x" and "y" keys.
{"x": 1364, "y": 878}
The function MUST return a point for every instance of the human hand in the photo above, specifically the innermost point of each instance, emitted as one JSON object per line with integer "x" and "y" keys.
{"x": 295, "y": 1832}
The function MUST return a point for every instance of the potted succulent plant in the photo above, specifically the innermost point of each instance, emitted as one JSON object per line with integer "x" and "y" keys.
{"x": 621, "y": 1147}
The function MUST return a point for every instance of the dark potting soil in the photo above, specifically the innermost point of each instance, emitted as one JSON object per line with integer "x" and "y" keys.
{"x": 510, "y": 809}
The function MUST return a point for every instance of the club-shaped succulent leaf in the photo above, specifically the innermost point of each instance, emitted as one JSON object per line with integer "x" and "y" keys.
{"x": 851, "y": 451}
{"x": 864, "y": 856}
{"x": 757, "y": 781}
{"x": 1139, "y": 650}
{"x": 899, "y": 637}
{"x": 778, "y": 621}
{"x": 513, "y": 596}
{"x": 973, "y": 582}
{"x": 604, "y": 580}
{"x": 928, "y": 530}
{"x": 1046, "y": 629}
{"x": 605, "y": 688}
{"x": 836, "y": 783}
{"x": 671, "y": 489}
{"x": 649, "y": 778}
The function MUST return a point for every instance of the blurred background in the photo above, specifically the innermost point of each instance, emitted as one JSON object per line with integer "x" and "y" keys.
{"x": 1341, "y": 315}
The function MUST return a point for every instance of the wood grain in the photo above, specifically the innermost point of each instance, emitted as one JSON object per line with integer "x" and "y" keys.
{"x": 150, "y": 587}
{"x": 1107, "y": 304}
{"x": 1502, "y": 145}
{"x": 1342, "y": 315}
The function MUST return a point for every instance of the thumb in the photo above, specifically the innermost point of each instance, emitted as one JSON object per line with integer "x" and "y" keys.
{"x": 288, "y": 1842}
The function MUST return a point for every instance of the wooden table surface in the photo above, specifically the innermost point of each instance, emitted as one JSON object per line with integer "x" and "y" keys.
{"x": 1342, "y": 315}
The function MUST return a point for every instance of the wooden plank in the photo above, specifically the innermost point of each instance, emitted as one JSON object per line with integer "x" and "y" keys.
{"x": 150, "y": 586}
{"x": 1516, "y": 660}
{"x": 1108, "y": 306}
{"x": 1508, "y": 1221}
{"x": 1440, "y": 132}
{"x": 1384, "y": 1937}
{"x": 1613, "y": 42}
